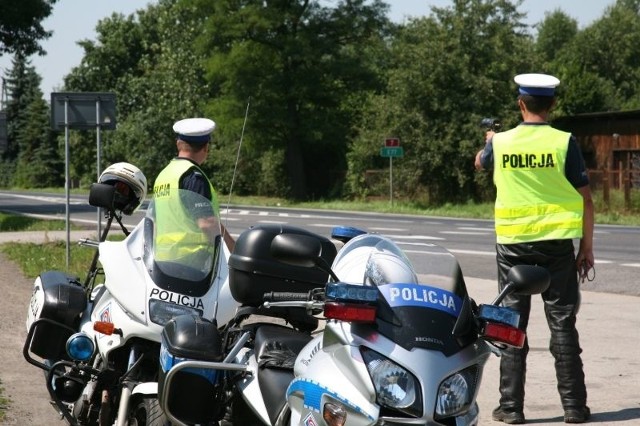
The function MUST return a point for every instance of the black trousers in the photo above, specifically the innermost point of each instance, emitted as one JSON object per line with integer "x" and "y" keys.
{"x": 561, "y": 304}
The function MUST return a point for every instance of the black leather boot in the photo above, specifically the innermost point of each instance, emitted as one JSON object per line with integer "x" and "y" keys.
{"x": 512, "y": 378}
{"x": 565, "y": 348}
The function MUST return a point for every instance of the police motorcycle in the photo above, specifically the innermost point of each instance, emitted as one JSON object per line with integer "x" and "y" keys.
{"x": 393, "y": 350}
{"x": 98, "y": 341}
{"x": 238, "y": 374}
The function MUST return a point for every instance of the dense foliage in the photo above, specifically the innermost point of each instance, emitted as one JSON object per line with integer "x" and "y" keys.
{"x": 322, "y": 84}
{"x": 21, "y": 25}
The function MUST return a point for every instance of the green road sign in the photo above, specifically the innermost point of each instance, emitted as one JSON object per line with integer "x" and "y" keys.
{"x": 391, "y": 151}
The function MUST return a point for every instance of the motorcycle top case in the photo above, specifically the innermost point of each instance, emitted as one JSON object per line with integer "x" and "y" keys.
{"x": 60, "y": 298}
{"x": 191, "y": 395}
{"x": 254, "y": 272}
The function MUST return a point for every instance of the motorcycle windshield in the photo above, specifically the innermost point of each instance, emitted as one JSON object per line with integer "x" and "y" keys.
{"x": 182, "y": 240}
{"x": 412, "y": 311}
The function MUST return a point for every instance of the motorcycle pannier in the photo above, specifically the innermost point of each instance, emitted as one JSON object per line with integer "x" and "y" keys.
{"x": 191, "y": 392}
{"x": 57, "y": 297}
{"x": 254, "y": 272}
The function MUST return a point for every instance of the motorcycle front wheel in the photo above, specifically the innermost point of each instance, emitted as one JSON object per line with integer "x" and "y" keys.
{"x": 147, "y": 412}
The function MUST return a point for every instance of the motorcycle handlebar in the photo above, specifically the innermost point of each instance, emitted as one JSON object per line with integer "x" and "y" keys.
{"x": 285, "y": 296}
{"x": 88, "y": 243}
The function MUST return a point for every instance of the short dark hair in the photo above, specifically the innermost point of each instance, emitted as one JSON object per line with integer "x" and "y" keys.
{"x": 537, "y": 104}
{"x": 191, "y": 147}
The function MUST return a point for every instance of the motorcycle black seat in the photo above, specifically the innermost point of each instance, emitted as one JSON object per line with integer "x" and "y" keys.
{"x": 276, "y": 348}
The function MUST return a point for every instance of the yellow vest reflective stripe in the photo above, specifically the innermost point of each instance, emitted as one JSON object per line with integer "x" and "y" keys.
{"x": 176, "y": 234}
{"x": 534, "y": 201}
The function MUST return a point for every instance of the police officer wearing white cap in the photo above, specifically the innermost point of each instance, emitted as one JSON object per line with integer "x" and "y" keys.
{"x": 543, "y": 202}
{"x": 184, "y": 173}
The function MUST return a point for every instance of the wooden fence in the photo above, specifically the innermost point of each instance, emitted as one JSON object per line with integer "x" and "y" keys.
{"x": 625, "y": 179}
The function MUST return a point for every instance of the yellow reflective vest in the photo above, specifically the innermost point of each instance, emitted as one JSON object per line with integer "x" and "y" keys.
{"x": 176, "y": 234}
{"x": 535, "y": 201}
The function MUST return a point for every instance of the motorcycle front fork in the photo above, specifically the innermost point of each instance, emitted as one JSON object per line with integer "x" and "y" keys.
{"x": 127, "y": 388}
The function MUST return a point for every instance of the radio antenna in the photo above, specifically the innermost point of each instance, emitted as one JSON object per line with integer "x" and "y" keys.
{"x": 233, "y": 178}
{"x": 235, "y": 167}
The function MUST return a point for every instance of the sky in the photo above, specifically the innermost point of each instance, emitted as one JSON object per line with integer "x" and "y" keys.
{"x": 74, "y": 20}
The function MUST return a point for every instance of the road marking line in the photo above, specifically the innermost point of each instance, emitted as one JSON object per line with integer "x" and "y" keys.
{"x": 633, "y": 265}
{"x": 483, "y": 253}
{"x": 414, "y": 237}
{"x": 464, "y": 233}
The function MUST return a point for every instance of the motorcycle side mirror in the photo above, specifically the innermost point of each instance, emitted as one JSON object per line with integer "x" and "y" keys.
{"x": 525, "y": 280}
{"x": 102, "y": 195}
{"x": 300, "y": 250}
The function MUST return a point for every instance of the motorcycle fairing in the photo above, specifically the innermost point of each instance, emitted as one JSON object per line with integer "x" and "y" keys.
{"x": 123, "y": 266}
{"x": 411, "y": 313}
{"x": 315, "y": 395}
{"x": 344, "y": 360}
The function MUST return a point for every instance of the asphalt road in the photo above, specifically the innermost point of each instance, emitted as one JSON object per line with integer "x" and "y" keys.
{"x": 617, "y": 248}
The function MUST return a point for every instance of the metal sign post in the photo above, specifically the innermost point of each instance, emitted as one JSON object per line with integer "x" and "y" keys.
{"x": 81, "y": 111}
{"x": 4, "y": 142}
{"x": 98, "y": 168}
{"x": 391, "y": 149}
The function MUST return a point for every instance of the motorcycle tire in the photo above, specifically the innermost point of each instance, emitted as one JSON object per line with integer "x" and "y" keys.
{"x": 147, "y": 412}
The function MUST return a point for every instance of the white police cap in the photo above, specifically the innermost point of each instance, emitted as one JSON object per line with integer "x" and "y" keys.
{"x": 536, "y": 84}
{"x": 194, "y": 130}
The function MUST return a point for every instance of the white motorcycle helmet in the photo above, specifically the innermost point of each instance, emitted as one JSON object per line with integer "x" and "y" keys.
{"x": 130, "y": 184}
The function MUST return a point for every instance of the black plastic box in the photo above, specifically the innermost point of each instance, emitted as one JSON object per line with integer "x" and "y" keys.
{"x": 64, "y": 301}
{"x": 192, "y": 395}
{"x": 254, "y": 272}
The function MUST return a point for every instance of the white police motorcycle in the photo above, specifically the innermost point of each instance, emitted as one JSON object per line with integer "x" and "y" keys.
{"x": 393, "y": 350}
{"x": 98, "y": 341}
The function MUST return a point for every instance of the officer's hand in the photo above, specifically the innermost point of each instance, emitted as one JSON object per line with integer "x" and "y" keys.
{"x": 477, "y": 163}
{"x": 584, "y": 264}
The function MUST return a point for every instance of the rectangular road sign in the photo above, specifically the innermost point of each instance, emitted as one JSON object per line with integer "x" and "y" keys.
{"x": 81, "y": 110}
{"x": 392, "y": 142}
{"x": 392, "y": 151}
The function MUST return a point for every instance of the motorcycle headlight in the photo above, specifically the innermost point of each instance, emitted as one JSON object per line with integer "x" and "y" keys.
{"x": 455, "y": 394}
{"x": 161, "y": 312}
{"x": 396, "y": 388}
{"x": 80, "y": 347}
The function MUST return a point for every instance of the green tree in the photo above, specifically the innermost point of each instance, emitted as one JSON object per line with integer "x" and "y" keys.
{"x": 600, "y": 67}
{"x": 302, "y": 65}
{"x": 39, "y": 164}
{"x": 147, "y": 59}
{"x": 452, "y": 68}
{"x": 21, "y": 25}
{"x": 32, "y": 158}
{"x": 554, "y": 32}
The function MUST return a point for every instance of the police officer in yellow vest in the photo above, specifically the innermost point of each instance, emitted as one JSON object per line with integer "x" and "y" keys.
{"x": 176, "y": 231}
{"x": 543, "y": 202}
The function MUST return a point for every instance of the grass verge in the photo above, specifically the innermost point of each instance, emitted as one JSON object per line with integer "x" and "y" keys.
{"x": 4, "y": 403}
{"x": 35, "y": 258}
{"x": 14, "y": 223}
